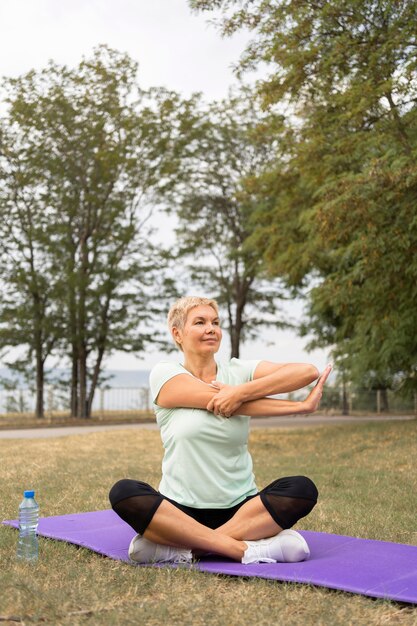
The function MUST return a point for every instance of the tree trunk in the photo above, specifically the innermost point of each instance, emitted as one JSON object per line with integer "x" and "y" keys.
{"x": 234, "y": 343}
{"x": 82, "y": 384}
{"x": 82, "y": 321}
{"x": 40, "y": 381}
{"x": 384, "y": 401}
{"x": 101, "y": 347}
{"x": 382, "y": 405}
{"x": 345, "y": 399}
{"x": 72, "y": 317}
{"x": 237, "y": 325}
{"x": 74, "y": 351}
{"x": 74, "y": 383}
{"x": 94, "y": 380}
{"x": 40, "y": 373}
{"x": 231, "y": 327}
{"x": 38, "y": 314}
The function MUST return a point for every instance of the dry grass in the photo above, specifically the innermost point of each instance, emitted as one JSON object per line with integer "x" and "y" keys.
{"x": 28, "y": 420}
{"x": 368, "y": 488}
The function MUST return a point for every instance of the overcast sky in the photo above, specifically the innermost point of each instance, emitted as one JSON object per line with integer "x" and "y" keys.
{"x": 174, "y": 47}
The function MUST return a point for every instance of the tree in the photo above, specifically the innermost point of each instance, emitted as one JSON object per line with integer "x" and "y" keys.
{"x": 31, "y": 317}
{"x": 347, "y": 73}
{"x": 93, "y": 147}
{"x": 229, "y": 143}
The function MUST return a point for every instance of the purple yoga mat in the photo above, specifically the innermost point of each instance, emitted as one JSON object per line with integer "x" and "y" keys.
{"x": 372, "y": 568}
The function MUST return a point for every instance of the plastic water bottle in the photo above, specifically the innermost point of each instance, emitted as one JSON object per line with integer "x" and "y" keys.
{"x": 27, "y": 547}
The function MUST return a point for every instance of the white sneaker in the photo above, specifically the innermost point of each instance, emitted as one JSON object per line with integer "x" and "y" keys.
{"x": 286, "y": 547}
{"x": 142, "y": 550}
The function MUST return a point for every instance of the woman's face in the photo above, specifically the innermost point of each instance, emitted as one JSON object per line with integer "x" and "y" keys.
{"x": 201, "y": 333}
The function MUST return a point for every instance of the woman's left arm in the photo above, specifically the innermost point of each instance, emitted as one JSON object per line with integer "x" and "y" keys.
{"x": 269, "y": 379}
{"x": 272, "y": 378}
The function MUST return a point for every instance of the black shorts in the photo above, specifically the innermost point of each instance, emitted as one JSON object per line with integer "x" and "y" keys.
{"x": 286, "y": 499}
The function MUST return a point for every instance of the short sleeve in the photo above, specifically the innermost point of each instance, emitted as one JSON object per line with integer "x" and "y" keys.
{"x": 161, "y": 373}
{"x": 245, "y": 368}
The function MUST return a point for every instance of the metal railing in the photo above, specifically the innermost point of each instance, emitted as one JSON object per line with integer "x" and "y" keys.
{"x": 349, "y": 400}
{"x": 120, "y": 401}
{"x": 135, "y": 402}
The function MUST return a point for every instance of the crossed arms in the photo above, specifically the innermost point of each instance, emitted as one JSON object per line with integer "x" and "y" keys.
{"x": 248, "y": 398}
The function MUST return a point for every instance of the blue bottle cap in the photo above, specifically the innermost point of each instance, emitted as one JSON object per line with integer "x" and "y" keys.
{"x": 28, "y": 494}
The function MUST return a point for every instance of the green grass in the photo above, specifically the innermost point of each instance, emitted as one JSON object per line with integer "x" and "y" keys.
{"x": 368, "y": 487}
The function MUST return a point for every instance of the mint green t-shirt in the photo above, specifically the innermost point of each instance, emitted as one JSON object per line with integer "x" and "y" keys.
{"x": 206, "y": 462}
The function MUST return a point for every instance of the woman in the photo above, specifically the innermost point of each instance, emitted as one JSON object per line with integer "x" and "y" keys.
{"x": 208, "y": 501}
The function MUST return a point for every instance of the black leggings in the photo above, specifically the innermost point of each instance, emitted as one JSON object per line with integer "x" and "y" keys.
{"x": 287, "y": 500}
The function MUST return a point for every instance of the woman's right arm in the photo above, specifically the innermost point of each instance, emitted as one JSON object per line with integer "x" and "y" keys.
{"x": 185, "y": 391}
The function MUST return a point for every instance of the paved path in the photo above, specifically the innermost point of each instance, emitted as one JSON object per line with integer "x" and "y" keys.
{"x": 261, "y": 422}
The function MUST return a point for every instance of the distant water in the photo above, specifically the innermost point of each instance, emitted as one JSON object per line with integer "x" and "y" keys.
{"x": 114, "y": 378}
{"x": 128, "y": 378}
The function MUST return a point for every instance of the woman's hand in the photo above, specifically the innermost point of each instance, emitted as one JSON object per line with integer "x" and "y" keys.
{"x": 311, "y": 403}
{"x": 226, "y": 401}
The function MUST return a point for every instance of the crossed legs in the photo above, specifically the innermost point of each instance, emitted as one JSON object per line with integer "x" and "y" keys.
{"x": 252, "y": 521}
{"x": 171, "y": 527}
{"x": 161, "y": 522}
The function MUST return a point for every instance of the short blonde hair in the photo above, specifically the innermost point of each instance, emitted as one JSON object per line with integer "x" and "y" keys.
{"x": 178, "y": 312}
